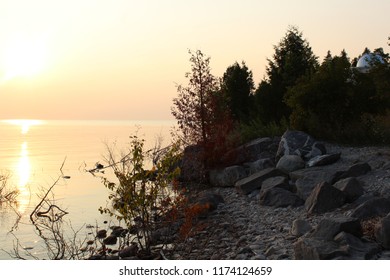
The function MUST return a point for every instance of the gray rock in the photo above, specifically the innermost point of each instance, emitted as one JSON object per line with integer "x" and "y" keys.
{"x": 382, "y": 232}
{"x": 259, "y": 165}
{"x": 316, "y": 249}
{"x": 351, "y": 188}
{"x": 323, "y": 160}
{"x": 276, "y": 182}
{"x": 210, "y": 201}
{"x": 101, "y": 233}
{"x": 300, "y": 227}
{"x": 289, "y": 163}
{"x": 355, "y": 170}
{"x": 327, "y": 229}
{"x": 299, "y": 143}
{"x": 375, "y": 207}
{"x": 324, "y": 198}
{"x": 253, "y": 182}
{"x": 227, "y": 177}
{"x": 356, "y": 248}
{"x": 278, "y": 197}
{"x": 110, "y": 240}
{"x": 129, "y": 251}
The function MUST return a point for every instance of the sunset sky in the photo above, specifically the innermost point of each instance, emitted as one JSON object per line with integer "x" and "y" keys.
{"x": 100, "y": 59}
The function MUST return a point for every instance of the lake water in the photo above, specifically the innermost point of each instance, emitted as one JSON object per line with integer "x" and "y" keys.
{"x": 32, "y": 153}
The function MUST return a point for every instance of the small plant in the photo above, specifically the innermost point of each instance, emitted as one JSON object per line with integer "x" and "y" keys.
{"x": 144, "y": 199}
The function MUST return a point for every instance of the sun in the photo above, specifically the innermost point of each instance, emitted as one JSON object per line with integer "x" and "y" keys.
{"x": 24, "y": 57}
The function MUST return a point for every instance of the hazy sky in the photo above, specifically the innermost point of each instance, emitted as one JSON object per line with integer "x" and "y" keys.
{"x": 111, "y": 59}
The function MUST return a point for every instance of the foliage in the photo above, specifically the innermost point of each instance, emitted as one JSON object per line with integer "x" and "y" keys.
{"x": 143, "y": 199}
{"x": 192, "y": 107}
{"x": 338, "y": 103}
{"x": 293, "y": 59}
{"x": 257, "y": 128}
{"x": 237, "y": 86}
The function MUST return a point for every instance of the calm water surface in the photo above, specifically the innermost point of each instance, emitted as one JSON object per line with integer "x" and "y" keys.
{"x": 32, "y": 152}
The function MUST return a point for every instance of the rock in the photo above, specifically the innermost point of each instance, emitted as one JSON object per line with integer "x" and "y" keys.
{"x": 356, "y": 248}
{"x": 351, "y": 188}
{"x": 308, "y": 179}
{"x": 253, "y": 182}
{"x": 276, "y": 182}
{"x": 260, "y": 148}
{"x": 279, "y": 197}
{"x": 191, "y": 165}
{"x": 299, "y": 143}
{"x": 210, "y": 201}
{"x": 323, "y": 160}
{"x": 259, "y": 165}
{"x": 316, "y": 249}
{"x": 129, "y": 251}
{"x": 382, "y": 232}
{"x": 300, "y": 227}
{"x": 101, "y": 233}
{"x": 375, "y": 207}
{"x": 289, "y": 163}
{"x": 227, "y": 176}
{"x": 119, "y": 231}
{"x": 324, "y": 198}
{"x": 355, "y": 170}
{"x": 110, "y": 240}
{"x": 327, "y": 229}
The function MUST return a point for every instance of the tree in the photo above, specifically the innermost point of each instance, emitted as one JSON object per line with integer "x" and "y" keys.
{"x": 192, "y": 108}
{"x": 237, "y": 85}
{"x": 292, "y": 60}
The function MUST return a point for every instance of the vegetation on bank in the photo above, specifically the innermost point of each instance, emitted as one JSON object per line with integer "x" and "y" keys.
{"x": 331, "y": 100}
{"x": 7, "y": 195}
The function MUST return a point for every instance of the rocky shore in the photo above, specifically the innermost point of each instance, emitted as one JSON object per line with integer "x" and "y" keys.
{"x": 295, "y": 198}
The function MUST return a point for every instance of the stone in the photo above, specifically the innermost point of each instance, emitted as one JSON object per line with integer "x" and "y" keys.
{"x": 324, "y": 198}
{"x": 191, "y": 165}
{"x": 259, "y": 165}
{"x": 299, "y": 143}
{"x": 227, "y": 177}
{"x": 110, "y": 240}
{"x": 309, "y": 180}
{"x": 253, "y": 182}
{"x": 300, "y": 227}
{"x": 323, "y": 160}
{"x": 327, "y": 229}
{"x": 375, "y": 207}
{"x": 276, "y": 182}
{"x": 101, "y": 234}
{"x": 210, "y": 201}
{"x": 356, "y": 248}
{"x": 355, "y": 170}
{"x": 382, "y": 232}
{"x": 351, "y": 188}
{"x": 316, "y": 249}
{"x": 279, "y": 197}
{"x": 129, "y": 251}
{"x": 289, "y": 163}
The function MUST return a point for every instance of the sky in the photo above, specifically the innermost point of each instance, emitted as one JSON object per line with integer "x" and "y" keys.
{"x": 122, "y": 59}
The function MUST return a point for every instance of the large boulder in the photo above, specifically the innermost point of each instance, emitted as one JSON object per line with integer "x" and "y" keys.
{"x": 375, "y": 207}
{"x": 227, "y": 177}
{"x": 323, "y": 160}
{"x": 279, "y": 197}
{"x": 254, "y": 182}
{"x": 351, "y": 188}
{"x": 289, "y": 163}
{"x": 317, "y": 249}
{"x": 300, "y": 227}
{"x": 324, "y": 198}
{"x": 299, "y": 143}
{"x": 327, "y": 229}
{"x": 355, "y": 170}
{"x": 258, "y": 165}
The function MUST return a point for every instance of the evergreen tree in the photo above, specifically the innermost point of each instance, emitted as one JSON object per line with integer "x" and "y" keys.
{"x": 237, "y": 86}
{"x": 293, "y": 58}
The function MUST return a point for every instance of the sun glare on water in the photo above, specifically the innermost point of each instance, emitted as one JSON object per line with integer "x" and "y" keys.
{"x": 24, "y": 56}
